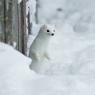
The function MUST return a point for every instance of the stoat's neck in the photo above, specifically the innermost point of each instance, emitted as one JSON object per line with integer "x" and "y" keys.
{"x": 42, "y": 40}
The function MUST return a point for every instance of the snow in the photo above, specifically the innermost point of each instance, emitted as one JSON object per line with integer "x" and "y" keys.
{"x": 72, "y": 66}
{"x": 31, "y": 5}
{"x": 13, "y": 68}
{"x": 64, "y": 77}
{"x": 19, "y": 1}
{"x": 68, "y": 73}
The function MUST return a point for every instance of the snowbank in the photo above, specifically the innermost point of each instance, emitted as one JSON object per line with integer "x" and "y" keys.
{"x": 72, "y": 70}
{"x": 13, "y": 68}
{"x": 72, "y": 67}
{"x": 17, "y": 79}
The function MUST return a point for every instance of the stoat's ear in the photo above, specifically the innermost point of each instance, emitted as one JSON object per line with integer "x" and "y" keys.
{"x": 44, "y": 26}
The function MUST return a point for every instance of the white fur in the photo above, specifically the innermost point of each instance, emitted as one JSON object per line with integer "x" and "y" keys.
{"x": 39, "y": 48}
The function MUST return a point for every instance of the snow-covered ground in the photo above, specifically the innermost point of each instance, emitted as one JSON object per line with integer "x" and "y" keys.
{"x": 71, "y": 70}
{"x": 72, "y": 66}
{"x": 71, "y": 50}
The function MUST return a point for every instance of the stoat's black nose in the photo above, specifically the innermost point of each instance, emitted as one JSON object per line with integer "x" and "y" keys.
{"x": 52, "y": 34}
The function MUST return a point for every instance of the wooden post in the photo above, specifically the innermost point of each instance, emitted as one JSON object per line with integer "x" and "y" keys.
{"x": 36, "y": 14}
{"x": 28, "y": 21}
{"x": 2, "y": 20}
{"x": 13, "y": 24}
{"x": 8, "y": 21}
{"x": 22, "y": 27}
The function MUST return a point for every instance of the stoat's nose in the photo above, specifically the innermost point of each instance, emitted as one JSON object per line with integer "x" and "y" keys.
{"x": 52, "y": 34}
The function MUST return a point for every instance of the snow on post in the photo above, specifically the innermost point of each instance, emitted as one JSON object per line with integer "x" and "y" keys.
{"x": 19, "y": 1}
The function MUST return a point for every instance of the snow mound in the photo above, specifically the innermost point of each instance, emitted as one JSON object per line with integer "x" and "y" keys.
{"x": 13, "y": 69}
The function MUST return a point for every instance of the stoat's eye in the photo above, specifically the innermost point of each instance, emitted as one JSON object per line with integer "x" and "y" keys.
{"x": 47, "y": 30}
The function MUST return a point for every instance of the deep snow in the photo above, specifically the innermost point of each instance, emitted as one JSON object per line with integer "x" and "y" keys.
{"x": 72, "y": 66}
{"x": 71, "y": 70}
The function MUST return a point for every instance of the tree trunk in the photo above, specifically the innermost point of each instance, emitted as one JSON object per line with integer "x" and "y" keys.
{"x": 36, "y": 14}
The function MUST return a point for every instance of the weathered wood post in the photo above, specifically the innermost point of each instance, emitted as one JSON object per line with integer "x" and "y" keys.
{"x": 13, "y": 24}
{"x": 28, "y": 21}
{"x": 22, "y": 27}
{"x": 36, "y": 14}
{"x": 2, "y": 37}
{"x": 8, "y": 21}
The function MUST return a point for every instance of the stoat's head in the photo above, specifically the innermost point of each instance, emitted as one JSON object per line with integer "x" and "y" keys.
{"x": 48, "y": 29}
